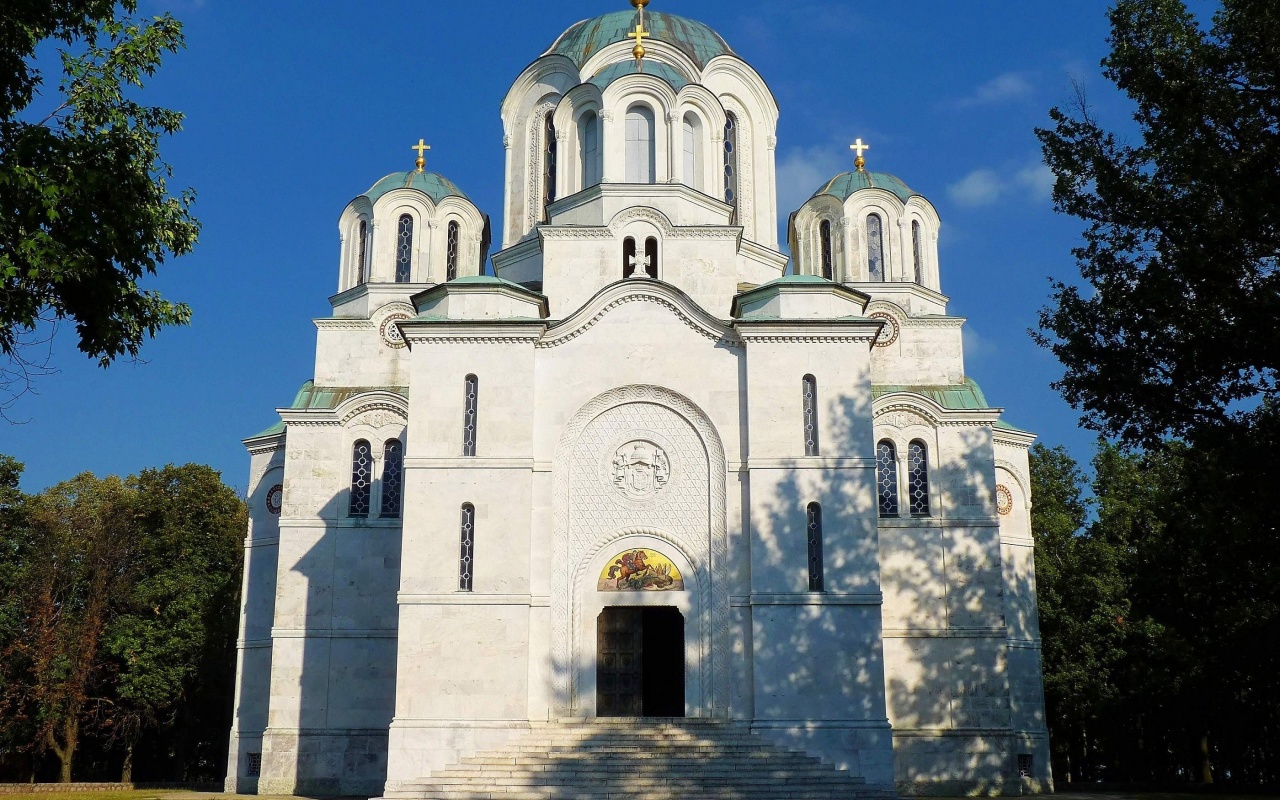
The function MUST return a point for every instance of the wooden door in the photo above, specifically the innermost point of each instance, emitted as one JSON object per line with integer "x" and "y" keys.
{"x": 619, "y": 663}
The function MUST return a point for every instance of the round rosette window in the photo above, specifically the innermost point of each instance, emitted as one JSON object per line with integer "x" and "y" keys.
{"x": 1004, "y": 500}
{"x": 889, "y": 333}
{"x": 275, "y": 499}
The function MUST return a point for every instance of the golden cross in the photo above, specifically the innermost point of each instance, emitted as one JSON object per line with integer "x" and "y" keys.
{"x": 422, "y": 147}
{"x": 639, "y": 34}
{"x": 860, "y": 148}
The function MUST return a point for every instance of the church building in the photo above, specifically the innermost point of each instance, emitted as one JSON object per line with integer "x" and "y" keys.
{"x": 647, "y": 473}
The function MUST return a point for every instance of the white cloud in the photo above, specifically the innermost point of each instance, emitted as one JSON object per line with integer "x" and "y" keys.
{"x": 1001, "y": 89}
{"x": 977, "y": 347}
{"x": 982, "y": 187}
{"x": 802, "y": 172}
{"x": 986, "y": 187}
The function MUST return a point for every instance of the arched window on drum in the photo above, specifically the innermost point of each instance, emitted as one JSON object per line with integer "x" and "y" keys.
{"x": 828, "y": 251}
{"x": 731, "y": 165}
{"x": 875, "y": 249}
{"x": 404, "y": 249}
{"x": 641, "y": 152}
{"x": 589, "y": 148}
{"x": 692, "y": 130}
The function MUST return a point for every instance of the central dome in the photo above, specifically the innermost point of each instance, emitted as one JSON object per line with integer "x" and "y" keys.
{"x": 695, "y": 39}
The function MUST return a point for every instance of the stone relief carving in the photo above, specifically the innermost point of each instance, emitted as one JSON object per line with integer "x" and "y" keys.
{"x": 641, "y": 469}
{"x": 902, "y": 419}
{"x": 889, "y": 333}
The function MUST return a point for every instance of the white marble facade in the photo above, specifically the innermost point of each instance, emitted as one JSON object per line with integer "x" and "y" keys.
{"x": 432, "y": 516}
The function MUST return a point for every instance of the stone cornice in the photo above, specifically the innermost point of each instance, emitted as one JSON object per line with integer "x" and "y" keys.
{"x": 257, "y": 445}
{"x": 810, "y": 331}
{"x": 476, "y": 332}
{"x": 639, "y": 290}
{"x": 375, "y": 401}
{"x": 1015, "y": 438}
{"x": 933, "y": 412}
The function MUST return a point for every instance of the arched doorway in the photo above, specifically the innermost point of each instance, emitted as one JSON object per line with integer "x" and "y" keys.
{"x": 640, "y": 662}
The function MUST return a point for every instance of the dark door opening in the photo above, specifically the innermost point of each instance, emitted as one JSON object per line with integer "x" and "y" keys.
{"x": 640, "y": 662}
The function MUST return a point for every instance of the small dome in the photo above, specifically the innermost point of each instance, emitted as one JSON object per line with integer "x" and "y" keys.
{"x": 437, "y": 187}
{"x": 694, "y": 39}
{"x": 612, "y": 72}
{"x": 844, "y": 185}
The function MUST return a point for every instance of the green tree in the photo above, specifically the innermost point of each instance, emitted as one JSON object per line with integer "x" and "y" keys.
{"x": 172, "y": 645}
{"x": 71, "y": 560}
{"x": 1174, "y": 329}
{"x": 88, "y": 212}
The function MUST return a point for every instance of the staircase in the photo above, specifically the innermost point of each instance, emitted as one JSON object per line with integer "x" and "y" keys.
{"x": 649, "y": 759}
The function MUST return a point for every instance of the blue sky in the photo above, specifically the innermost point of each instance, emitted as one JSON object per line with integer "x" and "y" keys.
{"x": 295, "y": 107}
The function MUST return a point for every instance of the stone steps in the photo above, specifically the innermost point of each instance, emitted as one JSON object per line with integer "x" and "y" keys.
{"x": 633, "y": 759}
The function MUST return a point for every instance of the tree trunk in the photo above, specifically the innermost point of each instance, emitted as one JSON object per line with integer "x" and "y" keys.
{"x": 66, "y": 752}
{"x": 126, "y": 771}
{"x": 1206, "y": 769}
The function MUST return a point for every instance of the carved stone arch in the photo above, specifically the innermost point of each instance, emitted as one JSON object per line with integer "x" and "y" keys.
{"x": 746, "y": 162}
{"x": 688, "y": 436}
{"x": 1023, "y": 483}
{"x": 388, "y": 403}
{"x": 643, "y": 214}
{"x": 537, "y": 145}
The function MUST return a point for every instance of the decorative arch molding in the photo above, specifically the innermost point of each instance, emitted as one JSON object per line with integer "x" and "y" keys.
{"x": 655, "y": 51}
{"x": 1023, "y": 483}
{"x": 938, "y": 416}
{"x": 388, "y": 402}
{"x": 535, "y": 131}
{"x": 740, "y": 71}
{"x": 708, "y": 553}
{"x": 633, "y": 291}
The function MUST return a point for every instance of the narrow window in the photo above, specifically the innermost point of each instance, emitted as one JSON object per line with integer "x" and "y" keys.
{"x": 810, "y": 390}
{"x": 467, "y": 563}
{"x": 549, "y": 168}
{"x": 404, "y": 249}
{"x": 918, "y": 479}
{"x": 692, "y": 152}
{"x": 875, "y": 248}
{"x": 731, "y": 164}
{"x": 887, "y": 478}
{"x": 641, "y": 152}
{"x": 362, "y": 251}
{"x": 470, "y": 410}
{"x": 651, "y": 257}
{"x": 361, "y": 479}
{"x": 628, "y": 257}
{"x": 451, "y": 255}
{"x": 828, "y": 261}
{"x": 589, "y": 141}
{"x": 814, "y": 516}
{"x": 392, "y": 478}
{"x": 917, "y": 248}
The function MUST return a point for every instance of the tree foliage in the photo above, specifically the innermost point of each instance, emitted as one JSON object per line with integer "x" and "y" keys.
{"x": 118, "y": 612}
{"x": 87, "y": 211}
{"x": 1173, "y": 330}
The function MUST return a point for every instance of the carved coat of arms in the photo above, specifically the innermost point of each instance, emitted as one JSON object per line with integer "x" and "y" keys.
{"x": 640, "y": 469}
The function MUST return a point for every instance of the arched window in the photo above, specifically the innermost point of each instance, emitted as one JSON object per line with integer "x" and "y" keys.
{"x": 451, "y": 253}
{"x": 918, "y": 479}
{"x": 362, "y": 254}
{"x": 875, "y": 248}
{"x": 470, "y": 411}
{"x": 361, "y": 479}
{"x": 828, "y": 260}
{"x": 692, "y": 151}
{"x": 404, "y": 249}
{"x": 589, "y": 143}
{"x": 629, "y": 263}
{"x": 917, "y": 247}
{"x": 467, "y": 562}
{"x": 887, "y": 478}
{"x": 651, "y": 257}
{"x": 731, "y": 164}
{"x": 642, "y": 154}
{"x": 809, "y": 388}
{"x": 814, "y": 519}
{"x": 392, "y": 478}
{"x": 549, "y": 155}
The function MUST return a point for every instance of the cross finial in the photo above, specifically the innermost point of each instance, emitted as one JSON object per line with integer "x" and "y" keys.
{"x": 860, "y": 148}
{"x": 422, "y": 147}
{"x": 639, "y": 34}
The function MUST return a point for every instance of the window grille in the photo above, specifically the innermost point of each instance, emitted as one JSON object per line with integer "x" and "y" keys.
{"x": 1026, "y": 765}
{"x": 918, "y": 249}
{"x": 392, "y": 478}
{"x": 875, "y": 248}
{"x": 815, "y": 547}
{"x": 589, "y": 133}
{"x": 918, "y": 479}
{"x": 470, "y": 412}
{"x": 451, "y": 257}
{"x": 887, "y": 478}
{"x": 810, "y": 397}
{"x": 362, "y": 250}
{"x": 549, "y": 168}
{"x": 361, "y": 479}
{"x": 404, "y": 249}
{"x": 253, "y": 769}
{"x": 828, "y": 261}
{"x": 467, "y": 563}
{"x": 641, "y": 149}
{"x": 731, "y": 164}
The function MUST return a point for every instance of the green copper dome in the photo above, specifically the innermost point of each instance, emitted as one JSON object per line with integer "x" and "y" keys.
{"x": 612, "y": 72}
{"x": 589, "y": 37}
{"x": 437, "y": 187}
{"x": 843, "y": 186}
